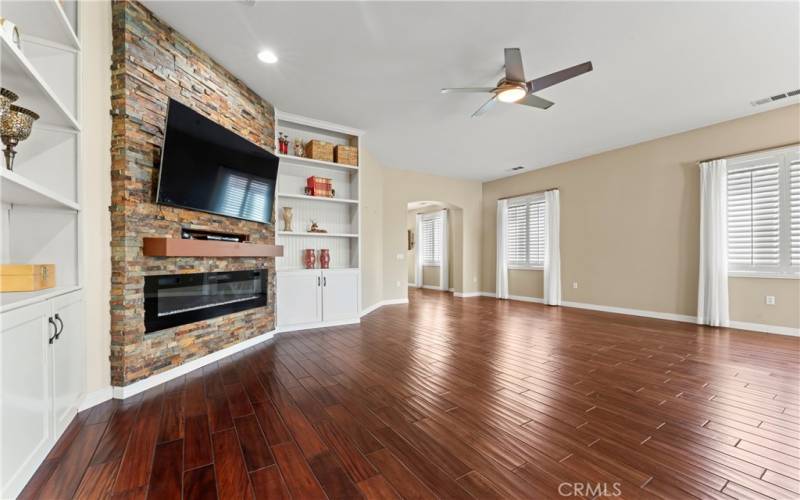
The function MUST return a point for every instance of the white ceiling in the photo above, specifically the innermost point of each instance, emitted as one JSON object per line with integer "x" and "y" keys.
{"x": 660, "y": 68}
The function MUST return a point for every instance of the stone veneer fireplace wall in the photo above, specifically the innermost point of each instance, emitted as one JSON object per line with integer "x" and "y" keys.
{"x": 151, "y": 62}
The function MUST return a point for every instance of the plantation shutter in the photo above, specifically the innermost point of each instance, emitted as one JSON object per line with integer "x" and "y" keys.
{"x": 794, "y": 210}
{"x": 754, "y": 215}
{"x": 526, "y": 233}
{"x": 431, "y": 243}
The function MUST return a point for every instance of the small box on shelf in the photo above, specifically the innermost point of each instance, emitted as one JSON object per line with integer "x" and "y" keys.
{"x": 346, "y": 155}
{"x": 319, "y": 150}
{"x": 319, "y": 186}
{"x": 27, "y": 277}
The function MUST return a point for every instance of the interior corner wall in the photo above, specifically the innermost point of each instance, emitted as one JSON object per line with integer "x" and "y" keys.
{"x": 152, "y": 63}
{"x": 630, "y": 219}
{"x": 371, "y": 177}
{"x": 95, "y": 33}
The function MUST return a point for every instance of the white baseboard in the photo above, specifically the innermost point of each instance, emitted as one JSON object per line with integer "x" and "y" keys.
{"x": 465, "y": 295}
{"x": 431, "y": 287}
{"x": 760, "y": 327}
{"x": 165, "y": 376}
{"x": 683, "y": 318}
{"x": 632, "y": 312}
{"x": 321, "y": 324}
{"x": 382, "y": 303}
{"x": 96, "y": 397}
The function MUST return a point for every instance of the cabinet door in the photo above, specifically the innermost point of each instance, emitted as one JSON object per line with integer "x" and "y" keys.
{"x": 339, "y": 294}
{"x": 69, "y": 353}
{"x": 299, "y": 297}
{"x": 25, "y": 394}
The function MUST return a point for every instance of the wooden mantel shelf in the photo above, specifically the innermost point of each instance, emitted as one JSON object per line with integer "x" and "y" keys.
{"x": 178, "y": 247}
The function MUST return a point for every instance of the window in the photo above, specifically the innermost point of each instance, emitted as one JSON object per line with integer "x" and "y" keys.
{"x": 431, "y": 240}
{"x": 526, "y": 232}
{"x": 764, "y": 213}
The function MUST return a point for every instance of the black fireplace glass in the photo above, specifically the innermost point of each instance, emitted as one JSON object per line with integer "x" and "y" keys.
{"x": 177, "y": 299}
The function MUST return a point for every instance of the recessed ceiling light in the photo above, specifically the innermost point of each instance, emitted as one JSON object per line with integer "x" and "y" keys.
{"x": 267, "y": 56}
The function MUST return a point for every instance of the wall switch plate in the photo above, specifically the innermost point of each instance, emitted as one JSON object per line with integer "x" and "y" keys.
{"x": 474, "y": 279}
{"x": 401, "y": 256}
{"x": 398, "y": 284}
{"x": 574, "y": 284}
{"x": 770, "y": 299}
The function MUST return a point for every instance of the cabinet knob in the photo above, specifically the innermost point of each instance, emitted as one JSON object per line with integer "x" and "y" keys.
{"x": 55, "y": 329}
{"x": 60, "y": 330}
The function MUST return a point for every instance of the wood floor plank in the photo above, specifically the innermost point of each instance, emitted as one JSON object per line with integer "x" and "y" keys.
{"x": 200, "y": 484}
{"x": 197, "y": 443}
{"x": 377, "y": 488}
{"x": 268, "y": 484}
{"x": 231, "y": 473}
{"x": 167, "y": 479}
{"x": 66, "y": 478}
{"x": 300, "y": 481}
{"x": 254, "y": 446}
{"x": 333, "y": 478}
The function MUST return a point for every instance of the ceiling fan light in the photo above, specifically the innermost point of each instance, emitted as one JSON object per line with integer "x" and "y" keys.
{"x": 511, "y": 95}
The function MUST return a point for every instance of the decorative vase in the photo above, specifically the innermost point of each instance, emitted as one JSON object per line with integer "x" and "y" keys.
{"x": 6, "y": 98}
{"x": 309, "y": 258}
{"x": 324, "y": 258}
{"x": 287, "y": 218}
{"x": 15, "y": 127}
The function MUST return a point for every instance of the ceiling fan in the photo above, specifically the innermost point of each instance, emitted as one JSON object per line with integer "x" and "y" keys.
{"x": 513, "y": 88}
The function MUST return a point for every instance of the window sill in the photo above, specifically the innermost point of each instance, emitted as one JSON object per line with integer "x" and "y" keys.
{"x": 780, "y": 276}
{"x": 526, "y": 268}
{"x": 431, "y": 264}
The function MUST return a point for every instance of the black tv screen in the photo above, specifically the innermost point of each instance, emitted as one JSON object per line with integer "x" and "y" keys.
{"x": 206, "y": 167}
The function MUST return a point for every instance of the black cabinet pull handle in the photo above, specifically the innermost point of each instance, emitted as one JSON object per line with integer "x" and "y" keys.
{"x": 324, "y": 281}
{"x": 318, "y": 281}
{"x": 61, "y": 330}
{"x": 55, "y": 329}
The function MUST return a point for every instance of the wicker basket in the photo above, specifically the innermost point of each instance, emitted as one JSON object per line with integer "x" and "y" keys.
{"x": 319, "y": 150}
{"x": 347, "y": 155}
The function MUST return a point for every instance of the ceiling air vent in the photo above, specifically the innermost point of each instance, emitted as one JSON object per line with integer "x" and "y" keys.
{"x": 518, "y": 167}
{"x": 774, "y": 98}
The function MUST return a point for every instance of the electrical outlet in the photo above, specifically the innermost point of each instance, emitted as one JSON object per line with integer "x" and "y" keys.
{"x": 474, "y": 279}
{"x": 401, "y": 256}
{"x": 398, "y": 284}
{"x": 770, "y": 299}
{"x": 574, "y": 284}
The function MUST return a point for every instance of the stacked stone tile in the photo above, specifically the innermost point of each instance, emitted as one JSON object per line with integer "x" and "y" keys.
{"x": 151, "y": 63}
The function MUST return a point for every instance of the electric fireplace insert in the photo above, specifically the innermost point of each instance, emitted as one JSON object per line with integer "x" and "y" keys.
{"x": 177, "y": 299}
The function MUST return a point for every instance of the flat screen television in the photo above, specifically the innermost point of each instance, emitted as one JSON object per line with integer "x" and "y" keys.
{"x": 206, "y": 167}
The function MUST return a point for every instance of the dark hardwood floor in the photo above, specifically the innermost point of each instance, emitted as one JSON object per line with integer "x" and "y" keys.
{"x": 456, "y": 398}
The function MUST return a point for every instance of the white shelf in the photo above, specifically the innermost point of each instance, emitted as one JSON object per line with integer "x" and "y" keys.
{"x": 19, "y": 76}
{"x": 308, "y": 162}
{"x": 18, "y": 190}
{"x": 316, "y": 235}
{"x": 317, "y": 198}
{"x": 14, "y": 300}
{"x": 44, "y": 19}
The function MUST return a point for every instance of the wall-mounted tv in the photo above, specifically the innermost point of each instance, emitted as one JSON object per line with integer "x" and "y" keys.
{"x": 206, "y": 167}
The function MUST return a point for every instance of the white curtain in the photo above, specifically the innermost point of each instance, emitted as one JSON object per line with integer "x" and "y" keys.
{"x": 444, "y": 278}
{"x": 501, "y": 286}
{"x": 552, "y": 248}
{"x": 712, "y": 293}
{"x": 419, "y": 254}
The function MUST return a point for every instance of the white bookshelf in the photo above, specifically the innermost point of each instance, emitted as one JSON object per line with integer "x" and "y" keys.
{"x": 340, "y": 215}
{"x": 40, "y": 198}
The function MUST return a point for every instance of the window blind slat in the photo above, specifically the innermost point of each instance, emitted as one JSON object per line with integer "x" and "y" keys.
{"x": 754, "y": 216}
{"x": 526, "y": 233}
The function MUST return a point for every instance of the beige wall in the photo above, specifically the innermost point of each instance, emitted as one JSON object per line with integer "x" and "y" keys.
{"x": 371, "y": 177}
{"x": 396, "y": 188}
{"x": 629, "y": 223}
{"x": 95, "y": 27}
{"x": 454, "y": 246}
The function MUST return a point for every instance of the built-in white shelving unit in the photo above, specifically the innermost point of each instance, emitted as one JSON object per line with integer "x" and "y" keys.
{"x": 42, "y": 334}
{"x": 339, "y": 215}
{"x": 310, "y": 298}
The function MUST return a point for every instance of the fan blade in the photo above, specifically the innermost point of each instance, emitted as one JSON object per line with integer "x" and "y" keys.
{"x": 514, "y": 71}
{"x": 486, "y": 107}
{"x": 468, "y": 89}
{"x": 543, "y": 82}
{"x": 535, "y": 101}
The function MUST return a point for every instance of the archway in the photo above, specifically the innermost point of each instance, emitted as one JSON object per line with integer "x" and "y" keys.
{"x": 445, "y": 271}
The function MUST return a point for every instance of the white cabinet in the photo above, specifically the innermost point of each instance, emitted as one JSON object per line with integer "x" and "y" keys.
{"x": 317, "y": 297}
{"x": 68, "y": 359}
{"x": 299, "y": 298}
{"x": 339, "y": 294}
{"x": 26, "y": 391}
{"x": 42, "y": 351}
